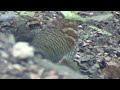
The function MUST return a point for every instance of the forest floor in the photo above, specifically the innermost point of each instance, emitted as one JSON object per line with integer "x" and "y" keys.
{"x": 97, "y": 55}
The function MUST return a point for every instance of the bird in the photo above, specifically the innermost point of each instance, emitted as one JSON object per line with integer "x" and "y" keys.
{"x": 57, "y": 40}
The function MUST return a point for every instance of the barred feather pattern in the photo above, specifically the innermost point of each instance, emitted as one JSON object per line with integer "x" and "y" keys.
{"x": 54, "y": 44}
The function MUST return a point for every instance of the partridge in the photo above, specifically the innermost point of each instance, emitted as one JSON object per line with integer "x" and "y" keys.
{"x": 57, "y": 41}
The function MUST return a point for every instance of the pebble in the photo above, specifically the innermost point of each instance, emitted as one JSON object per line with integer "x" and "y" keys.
{"x": 77, "y": 56}
{"x": 34, "y": 76}
{"x": 22, "y": 50}
{"x": 105, "y": 54}
{"x": 107, "y": 58}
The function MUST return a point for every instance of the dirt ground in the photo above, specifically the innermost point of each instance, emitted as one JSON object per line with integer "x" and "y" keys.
{"x": 97, "y": 55}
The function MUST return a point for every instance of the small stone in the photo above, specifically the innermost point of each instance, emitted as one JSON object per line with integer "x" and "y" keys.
{"x": 77, "y": 56}
{"x": 34, "y": 76}
{"x": 99, "y": 54}
{"x": 100, "y": 50}
{"x": 115, "y": 55}
{"x": 52, "y": 77}
{"x": 105, "y": 54}
{"x": 107, "y": 58}
{"x": 85, "y": 44}
{"x": 22, "y": 50}
{"x": 88, "y": 41}
{"x": 119, "y": 58}
{"x": 4, "y": 54}
{"x": 18, "y": 67}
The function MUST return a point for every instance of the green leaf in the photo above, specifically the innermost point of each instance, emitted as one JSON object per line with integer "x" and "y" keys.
{"x": 100, "y": 17}
{"x": 71, "y": 15}
{"x": 27, "y": 13}
{"x": 101, "y": 31}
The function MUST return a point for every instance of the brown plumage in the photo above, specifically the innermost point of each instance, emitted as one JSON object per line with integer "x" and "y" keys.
{"x": 55, "y": 43}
